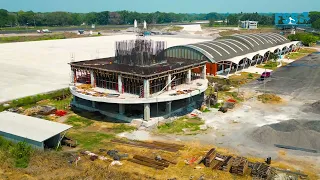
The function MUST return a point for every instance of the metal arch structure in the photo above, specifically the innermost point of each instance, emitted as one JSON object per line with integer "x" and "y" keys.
{"x": 209, "y": 57}
{"x": 240, "y": 46}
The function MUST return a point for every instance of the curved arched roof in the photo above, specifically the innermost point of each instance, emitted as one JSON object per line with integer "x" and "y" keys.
{"x": 238, "y": 45}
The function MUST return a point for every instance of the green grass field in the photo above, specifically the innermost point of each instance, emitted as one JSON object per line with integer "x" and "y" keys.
{"x": 179, "y": 124}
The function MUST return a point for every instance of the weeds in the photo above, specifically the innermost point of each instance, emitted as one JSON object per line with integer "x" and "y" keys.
{"x": 269, "y": 98}
{"x": 178, "y": 125}
{"x": 78, "y": 121}
{"x": 20, "y": 152}
{"x": 90, "y": 140}
{"x": 31, "y": 100}
{"x": 119, "y": 128}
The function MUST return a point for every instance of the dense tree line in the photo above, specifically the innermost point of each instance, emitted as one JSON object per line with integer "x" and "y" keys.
{"x": 315, "y": 19}
{"x": 307, "y": 39}
{"x": 30, "y": 18}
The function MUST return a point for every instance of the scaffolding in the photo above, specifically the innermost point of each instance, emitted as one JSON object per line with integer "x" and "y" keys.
{"x": 82, "y": 76}
{"x": 132, "y": 86}
{"x": 181, "y": 78}
{"x": 157, "y": 85}
{"x": 107, "y": 80}
{"x": 140, "y": 52}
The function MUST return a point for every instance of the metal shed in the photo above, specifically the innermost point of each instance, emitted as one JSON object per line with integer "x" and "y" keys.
{"x": 36, "y": 132}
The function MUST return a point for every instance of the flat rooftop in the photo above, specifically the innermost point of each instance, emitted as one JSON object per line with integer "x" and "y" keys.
{"x": 29, "y": 127}
{"x": 108, "y": 64}
{"x": 29, "y": 68}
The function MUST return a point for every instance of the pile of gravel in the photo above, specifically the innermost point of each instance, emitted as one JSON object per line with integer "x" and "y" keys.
{"x": 314, "y": 107}
{"x": 303, "y": 134}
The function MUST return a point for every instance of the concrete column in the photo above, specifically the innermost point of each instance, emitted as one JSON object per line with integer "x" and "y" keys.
{"x": 146, "y": 114}
{"x": 72, "y": 76}
{"x": 120, "y": 84}
{"x": 168, "y": 107}
{"x": 93, "y": 81}
{"x": 188, "y": 80}
{"x": 203, "y": 72}
{"x": 121, "y": 109}
{"x": 168, "y": 80}
{"x": 146, "y": 88}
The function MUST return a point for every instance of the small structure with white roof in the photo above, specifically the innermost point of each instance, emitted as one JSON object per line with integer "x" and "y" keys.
{"x": 36, "y": 132}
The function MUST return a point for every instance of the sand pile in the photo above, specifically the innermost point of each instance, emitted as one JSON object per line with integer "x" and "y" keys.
{"x": 304, "y": 134}
{"x": 314, "y": 107}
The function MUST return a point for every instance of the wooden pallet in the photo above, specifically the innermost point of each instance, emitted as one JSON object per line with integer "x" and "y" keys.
{"x": 261, "y": 170}
{"x": 239, "y": 166}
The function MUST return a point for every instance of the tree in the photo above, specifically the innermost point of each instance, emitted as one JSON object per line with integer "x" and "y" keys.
{"x": 232, "y": 19}
{"x": 307, "y": 39}
{"x": 26, "y": 18}
{"x": 3, "y": 17}
{"x": 316, "y": 24}
{"x": 91, "y": 18}
{"x": 103, "y": 18}
{"x": 211, "y": 22}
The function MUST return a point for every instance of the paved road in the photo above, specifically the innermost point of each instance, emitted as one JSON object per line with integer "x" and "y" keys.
{"x": 29, "y": 68}
{"x": 300, "y": 79}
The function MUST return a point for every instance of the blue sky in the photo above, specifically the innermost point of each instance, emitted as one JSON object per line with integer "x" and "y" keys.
{"x": 179, "y": 6}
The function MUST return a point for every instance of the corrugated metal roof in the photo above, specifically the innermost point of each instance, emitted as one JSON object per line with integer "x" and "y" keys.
{"x": 30, "y": 127}
{"x": 239, "y": 44}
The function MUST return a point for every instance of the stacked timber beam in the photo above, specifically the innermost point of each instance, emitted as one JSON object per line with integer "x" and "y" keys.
{"x": 261, "y": 170}
{"x": 151, "y": 145}
{"x": 209, "y": 157}
{"x": 226, "y": 166}
{"x": 239, "y": 166}
{"x": 145, "y": 161}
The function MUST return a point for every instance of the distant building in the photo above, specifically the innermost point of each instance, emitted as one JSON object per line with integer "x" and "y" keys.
{"x": 249, "y": 24}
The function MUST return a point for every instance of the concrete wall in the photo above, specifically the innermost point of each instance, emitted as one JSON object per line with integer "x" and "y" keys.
{"x": 16, "y": 139}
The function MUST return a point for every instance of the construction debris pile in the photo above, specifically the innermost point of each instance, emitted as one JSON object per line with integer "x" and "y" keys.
{"x": 239, "y": 166}
{"x": 184, "y": 91}
{"x": 295, "y": 133}
{"x": 157, "y": 163}
{"x": 87, "y": 90}
{"x": 261, "y": 170}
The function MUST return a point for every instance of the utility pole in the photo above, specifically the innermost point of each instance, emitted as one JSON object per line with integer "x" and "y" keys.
{"x": 264, "y": 81}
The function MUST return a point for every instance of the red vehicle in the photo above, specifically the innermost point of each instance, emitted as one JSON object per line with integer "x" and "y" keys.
{"x": 265, "y": 75}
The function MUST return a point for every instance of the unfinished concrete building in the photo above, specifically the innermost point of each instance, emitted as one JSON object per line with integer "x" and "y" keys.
{"x": 140, "y": 82}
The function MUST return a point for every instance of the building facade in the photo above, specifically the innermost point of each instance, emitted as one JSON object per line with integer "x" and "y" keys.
{"x": 139, "y": 83}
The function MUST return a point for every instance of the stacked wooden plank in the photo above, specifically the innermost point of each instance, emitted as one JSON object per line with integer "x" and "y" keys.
{"x": 151, "y": 145}
{"x": 226, "y": 166}
{"x": 209, "y": 157}
{"x": 145, "y": 161}
{"x": 239, "y": 166}
{"x": 261, "y": 170}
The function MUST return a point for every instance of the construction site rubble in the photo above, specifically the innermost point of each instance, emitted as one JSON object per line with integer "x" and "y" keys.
{"x": 239, "y": 166}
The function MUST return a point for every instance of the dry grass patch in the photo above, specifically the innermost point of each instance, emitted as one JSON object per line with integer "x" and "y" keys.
{"x": 269, "y": 98}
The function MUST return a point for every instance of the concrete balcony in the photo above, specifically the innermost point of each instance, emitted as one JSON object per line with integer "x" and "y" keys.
{"x": 196, "y": 87}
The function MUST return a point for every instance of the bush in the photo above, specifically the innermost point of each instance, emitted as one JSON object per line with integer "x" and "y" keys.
{"x": 225, "y": 88}
{"x": 19, "y": 152}
{"x": 307, "y": 39}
